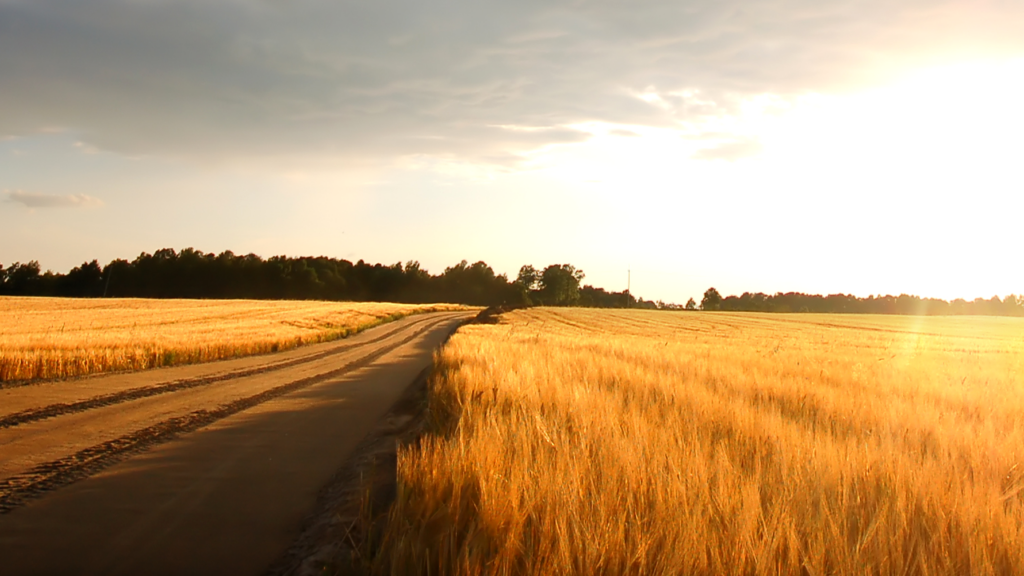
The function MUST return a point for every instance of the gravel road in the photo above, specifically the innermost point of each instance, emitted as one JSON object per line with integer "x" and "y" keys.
{"x": 203, "y": 469}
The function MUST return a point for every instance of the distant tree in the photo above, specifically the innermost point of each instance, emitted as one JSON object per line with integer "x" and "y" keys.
{"x": 528, "y": 278}
{"x": 85, "y": 280}
{"x": 560, "y": 285}
{"x": 600, "y": 298}
{"x": 995, "y": 306}
{"x": 24, "y": 279}
{"x": 475, "y": 284}
{"x": 646, "y": 304}
{"x": 1013, "y": 305}
{"x": 712, "y": 300}
{"x": 527, "y": 284}
{"x": 191, "y": 273}
{"x": 413, "y": 269}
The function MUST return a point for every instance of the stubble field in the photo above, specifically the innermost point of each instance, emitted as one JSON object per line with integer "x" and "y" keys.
{"x": 642, "y": 442}
{"x": 44, "y": 338}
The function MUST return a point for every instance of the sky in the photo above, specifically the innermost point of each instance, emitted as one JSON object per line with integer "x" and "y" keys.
{"x": 821, "y": 146}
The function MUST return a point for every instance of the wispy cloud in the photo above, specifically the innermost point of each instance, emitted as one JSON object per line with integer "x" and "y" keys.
{"x": 39, "y": 200}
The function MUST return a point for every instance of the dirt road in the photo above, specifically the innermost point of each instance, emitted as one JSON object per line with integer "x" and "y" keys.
{"x": 204, "y": 469}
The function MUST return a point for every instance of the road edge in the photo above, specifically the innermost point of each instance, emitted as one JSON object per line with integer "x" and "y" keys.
{"x": 339, "y": 535}
{"x": 327, "y": 336}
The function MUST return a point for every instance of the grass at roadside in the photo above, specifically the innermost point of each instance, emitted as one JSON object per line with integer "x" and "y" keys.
{"x": 637, "y": 442}
{"x": 45, "y": 338}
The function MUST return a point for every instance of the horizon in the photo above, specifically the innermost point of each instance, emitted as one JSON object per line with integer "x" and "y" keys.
{"x": 511, "y": 276}
{"x": 819, "y": 148}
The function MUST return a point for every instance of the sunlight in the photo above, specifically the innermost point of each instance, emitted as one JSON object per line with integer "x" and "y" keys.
{"x": 911, "y": 185}
{"x": 925, "y": 166}
{"x": 967, "y": 114}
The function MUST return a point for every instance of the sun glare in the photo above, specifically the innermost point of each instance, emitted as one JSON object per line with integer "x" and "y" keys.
{"x": 968, "y": 115}
{"x": 913, "y": 185}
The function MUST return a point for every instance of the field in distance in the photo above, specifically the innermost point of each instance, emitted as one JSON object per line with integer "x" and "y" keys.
{"x": 642, "y": 442}
{"x": 44, "y": 338}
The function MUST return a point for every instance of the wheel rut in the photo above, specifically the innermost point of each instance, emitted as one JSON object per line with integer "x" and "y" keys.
{"x": 17, "y": 490}
{"x": 104, "y": 400}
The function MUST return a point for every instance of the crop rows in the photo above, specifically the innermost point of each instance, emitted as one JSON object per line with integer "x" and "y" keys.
{"x": 637, "y": 442}
{"x": 50, "y": 338}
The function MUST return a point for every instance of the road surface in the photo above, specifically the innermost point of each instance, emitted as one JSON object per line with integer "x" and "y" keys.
{"x": 203, "y": 469}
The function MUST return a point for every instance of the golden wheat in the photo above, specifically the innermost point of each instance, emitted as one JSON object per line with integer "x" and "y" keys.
{"x": 641, "y": 442}
{"x": 42, "y": 338}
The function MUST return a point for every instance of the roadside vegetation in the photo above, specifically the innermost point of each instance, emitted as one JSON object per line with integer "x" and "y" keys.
{"x": 640, "y": 442}
{"x": 45, "y": 338}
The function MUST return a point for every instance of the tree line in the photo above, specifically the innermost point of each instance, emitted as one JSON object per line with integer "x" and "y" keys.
{"x": 1012, "y": 305}
{"x": 192, "y": 273}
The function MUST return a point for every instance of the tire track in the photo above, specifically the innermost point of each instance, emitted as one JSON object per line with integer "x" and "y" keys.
{"x": 64, "y": 408}
{"x": 19, "y": 489}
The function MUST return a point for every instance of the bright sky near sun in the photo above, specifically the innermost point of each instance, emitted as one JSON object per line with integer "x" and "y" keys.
{"x": 817, "y": 146}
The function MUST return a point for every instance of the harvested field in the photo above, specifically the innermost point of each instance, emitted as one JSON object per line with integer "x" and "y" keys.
{"x": 47, "y": 338}
{"x": 641, "y": 442}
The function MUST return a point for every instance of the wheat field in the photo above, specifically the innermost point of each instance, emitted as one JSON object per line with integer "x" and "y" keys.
{"x": 642, "y": 442}
{"x": 45, "y": 338}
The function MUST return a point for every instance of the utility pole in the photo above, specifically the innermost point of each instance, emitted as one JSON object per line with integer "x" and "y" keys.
{"x": 628, "y": 284}
{"x": 106, "y": 286}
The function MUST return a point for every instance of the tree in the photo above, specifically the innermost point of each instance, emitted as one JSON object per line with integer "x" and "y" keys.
{"x": 560, "y": 285}
{"x": 23, "y": 279}
{"x": 528, "y": 278}
{"x": 1013, "y": 305}
{"x": 691, "y": 305}
{"x": 712, "y": 300}
{"x": 85, "y": 280}
{"x": 527, "y": 283}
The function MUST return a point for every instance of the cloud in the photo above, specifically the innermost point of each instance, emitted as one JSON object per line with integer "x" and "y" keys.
{"x": 39, "y": 200}
{"x": 729, "y": 151}
{"x": 348, "y": 80}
